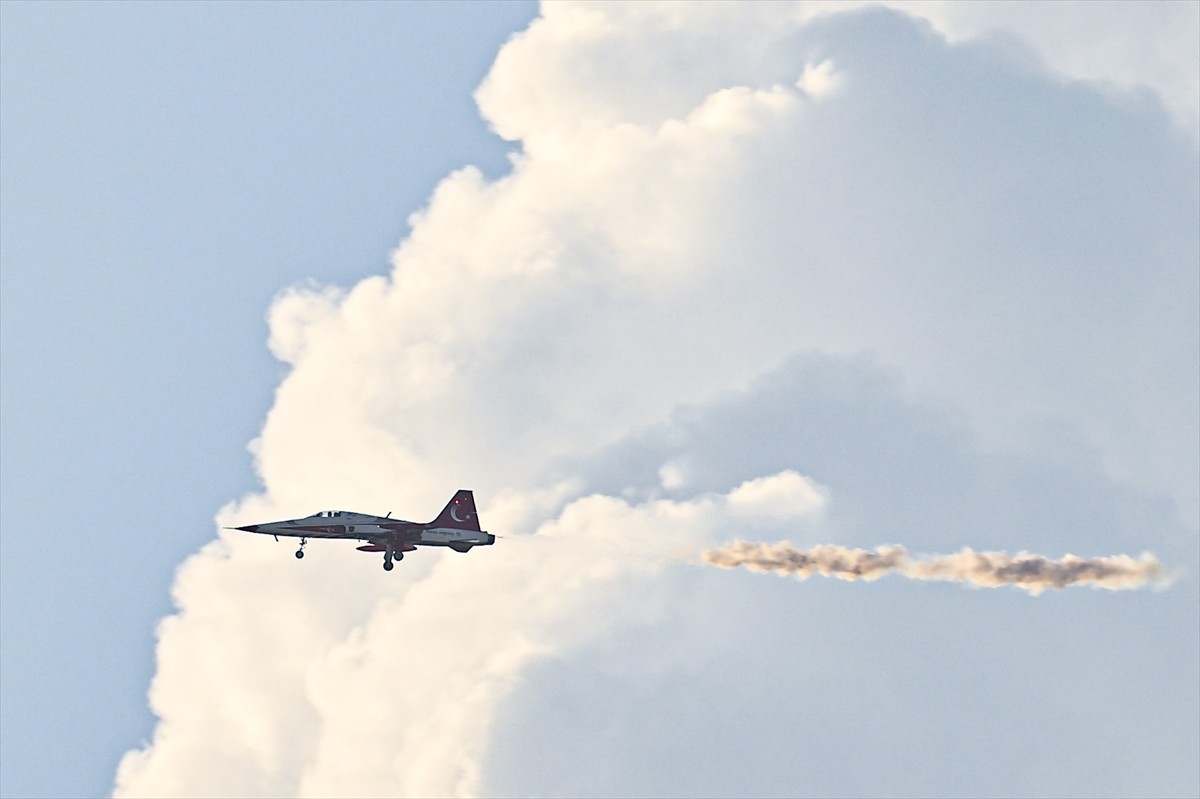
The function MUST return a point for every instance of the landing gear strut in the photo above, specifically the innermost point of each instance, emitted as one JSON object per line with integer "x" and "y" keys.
{"x": 390, "y": 555}
{"x": 300, "y": 551}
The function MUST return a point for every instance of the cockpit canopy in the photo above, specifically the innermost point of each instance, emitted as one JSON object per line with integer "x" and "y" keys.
{"x": 329, "y": 514}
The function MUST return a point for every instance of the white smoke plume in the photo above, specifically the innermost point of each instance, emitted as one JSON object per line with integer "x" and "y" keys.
{"x": 1033, "y": 573}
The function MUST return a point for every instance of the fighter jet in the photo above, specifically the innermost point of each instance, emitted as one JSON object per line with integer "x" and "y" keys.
{"x": 457, "y": 527}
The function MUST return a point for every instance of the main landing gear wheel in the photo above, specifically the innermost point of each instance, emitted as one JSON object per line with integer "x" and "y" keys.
{"x": 388, "y": 565}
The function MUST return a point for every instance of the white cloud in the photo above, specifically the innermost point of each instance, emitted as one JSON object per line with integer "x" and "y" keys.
{"x": 754, "y": 268}
{"x": 818, "y": 80}
{"x": 785, "y": 494}
{"x": 306, "y": 693}
{"x": 1125, "y": 46}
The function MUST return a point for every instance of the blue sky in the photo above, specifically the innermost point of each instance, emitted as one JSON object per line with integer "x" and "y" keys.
{"x": 925, "y": 275}
{"x": 167, "y": 169}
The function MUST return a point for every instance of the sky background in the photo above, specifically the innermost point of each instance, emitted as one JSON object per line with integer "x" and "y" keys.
{"x": 166, "y": 171}
{"x": 925, "y": 276}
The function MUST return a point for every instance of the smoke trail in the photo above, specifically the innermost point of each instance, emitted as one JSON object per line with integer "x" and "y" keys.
{"x": 1033, "y": 573}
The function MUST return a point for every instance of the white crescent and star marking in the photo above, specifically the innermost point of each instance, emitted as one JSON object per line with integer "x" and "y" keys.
{"x": 454, "y": 511}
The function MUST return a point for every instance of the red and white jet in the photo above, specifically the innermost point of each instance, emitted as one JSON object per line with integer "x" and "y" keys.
{"x": 457, "y": 527}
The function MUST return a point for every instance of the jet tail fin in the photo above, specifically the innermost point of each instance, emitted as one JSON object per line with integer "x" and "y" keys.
{"x": 459, "y": 513}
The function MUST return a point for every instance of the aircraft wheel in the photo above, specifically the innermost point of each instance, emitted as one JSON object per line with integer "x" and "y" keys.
{"x": 299, "y": 554}
{"x": 388, "y": 566}
{"x": 398, "y": 556}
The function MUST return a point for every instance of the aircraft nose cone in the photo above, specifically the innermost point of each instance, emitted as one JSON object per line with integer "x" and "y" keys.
{"x": 249, "y": 528}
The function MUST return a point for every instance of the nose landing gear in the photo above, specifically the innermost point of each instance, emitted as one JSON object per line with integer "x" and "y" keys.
{"x": 300, "y": 551}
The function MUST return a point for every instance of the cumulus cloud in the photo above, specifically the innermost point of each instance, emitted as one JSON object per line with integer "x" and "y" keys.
{"x": 755, "y": 269}
{"x": 391, "y": 695}
{"x": 1126, "y": 46}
